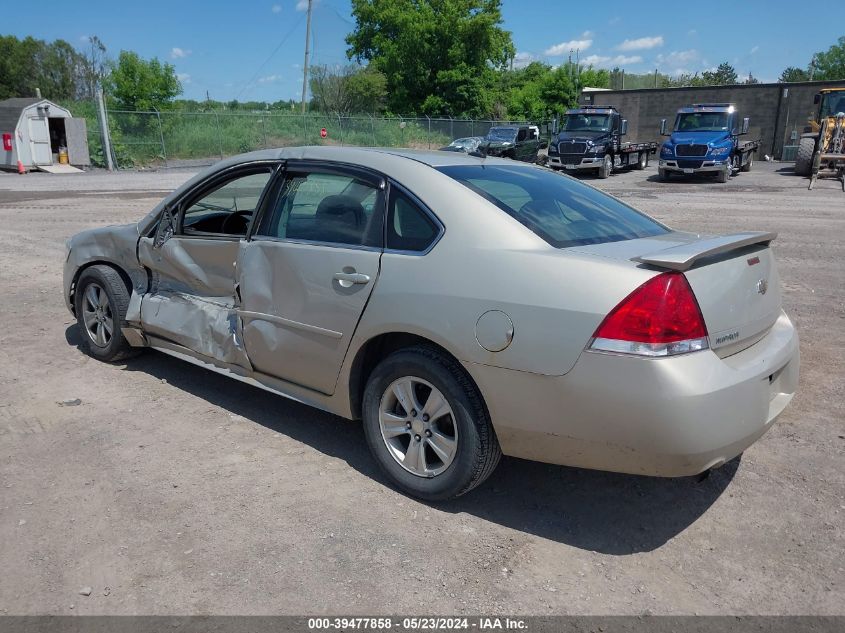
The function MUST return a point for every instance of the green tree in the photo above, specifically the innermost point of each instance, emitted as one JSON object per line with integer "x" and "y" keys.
{"x": 830, "y": 64}
{"x": 138, "y": 84}
{"x": 347, "y": 90}
{"x": 28, "y": 65}
{"x": 724, "y": 75}
{"x": 792, "y": 74}
{"x": 594, "y": 78}
{"x": 439, "y": 56}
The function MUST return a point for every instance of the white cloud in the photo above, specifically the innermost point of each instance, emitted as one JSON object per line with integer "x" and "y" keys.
{"x": 677, "y": 59}
{"x": 83, "y": 38}
{"x": 754, "y": 49}
{"x": 572, "y": 45}
{"x": 521, "y": 60}
{"x": 641, "y": 43}
{"x": 178, "y": 53}
{"x": 184, "y": 78}
{"x": 692, "y": 32}
{"x": 269, "y": 79}
{"x": 302, "y": 5}
{"x": 276, "y": 8}
{"x": 605, "y": 61}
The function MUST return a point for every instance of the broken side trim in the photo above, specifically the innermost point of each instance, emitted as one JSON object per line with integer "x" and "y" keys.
{"x": 246, "y": 314}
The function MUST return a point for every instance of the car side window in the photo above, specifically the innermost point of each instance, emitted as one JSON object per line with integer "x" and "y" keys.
{"x": 521, "y": 135}
{"x": 409, "y": 228}
{"x": 326, "y": 207}
{"x": 227, "y": 208}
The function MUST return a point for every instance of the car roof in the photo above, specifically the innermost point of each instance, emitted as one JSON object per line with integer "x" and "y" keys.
{"x": 378, "y": 158}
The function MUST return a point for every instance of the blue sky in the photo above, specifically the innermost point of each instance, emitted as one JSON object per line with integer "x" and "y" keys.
{"x": 253, "y": 49}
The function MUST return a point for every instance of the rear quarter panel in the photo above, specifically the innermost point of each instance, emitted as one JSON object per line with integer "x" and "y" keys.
{"x": 488, "y": 261}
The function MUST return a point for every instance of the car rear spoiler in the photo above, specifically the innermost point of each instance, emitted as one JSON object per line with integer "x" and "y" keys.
{"x": 684, "y": 256}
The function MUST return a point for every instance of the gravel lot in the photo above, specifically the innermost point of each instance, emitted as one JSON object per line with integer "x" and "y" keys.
{"x": 172, "y": 490}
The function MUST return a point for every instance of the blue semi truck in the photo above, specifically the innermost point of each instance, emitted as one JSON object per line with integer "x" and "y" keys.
{"x": 705, "y": 139}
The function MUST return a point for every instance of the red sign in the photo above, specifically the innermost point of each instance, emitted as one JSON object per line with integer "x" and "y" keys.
{"x": 7, "y": 142}
{"x": 323, "y": 133}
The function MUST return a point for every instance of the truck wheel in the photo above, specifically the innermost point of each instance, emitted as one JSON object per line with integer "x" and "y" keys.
{"x": 663, "y": 174}
{"x": 606, "y": 166}
{"x": 747, "y": 166}
{"x": 804, "y": 157}
{"x": 723, "y": 175}
{"x": 642, "y": 161}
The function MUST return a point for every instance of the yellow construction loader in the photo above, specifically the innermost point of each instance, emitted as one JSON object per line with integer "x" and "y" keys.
{"x": 821, "y": 150}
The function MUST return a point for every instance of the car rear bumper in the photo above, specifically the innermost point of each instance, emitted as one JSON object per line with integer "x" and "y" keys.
{"x": 664, "y": 417}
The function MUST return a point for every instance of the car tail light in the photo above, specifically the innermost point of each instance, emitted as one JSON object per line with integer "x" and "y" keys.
{"x": 660, "y": 318}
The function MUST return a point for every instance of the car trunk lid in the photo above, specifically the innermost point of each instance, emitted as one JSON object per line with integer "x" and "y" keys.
{"x": 734, "y": 279}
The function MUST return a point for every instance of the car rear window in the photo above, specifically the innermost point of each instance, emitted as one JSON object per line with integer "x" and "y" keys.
{"x": 561, "y": 210}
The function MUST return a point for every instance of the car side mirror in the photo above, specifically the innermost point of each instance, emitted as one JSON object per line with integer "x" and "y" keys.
{"x": 817, "y": 99}
{"x": 544, "y": 144}
{"x": 623, "y": 129}
{"x": 164, "y": 231}
{"x": 663, "y": 127}
{"x": 746, "y": 122}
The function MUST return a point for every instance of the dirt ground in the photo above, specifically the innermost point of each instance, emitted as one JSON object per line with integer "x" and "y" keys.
{"x": 172, "y": 490}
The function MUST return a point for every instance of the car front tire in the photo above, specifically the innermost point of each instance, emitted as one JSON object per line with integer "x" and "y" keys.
{"x": 100, "y": 300}
{"x": 427, "y": 426}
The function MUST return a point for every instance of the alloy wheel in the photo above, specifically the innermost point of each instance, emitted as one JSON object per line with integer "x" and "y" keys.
{"x": 418, "y": 426}
{"x": 97, "y": 315}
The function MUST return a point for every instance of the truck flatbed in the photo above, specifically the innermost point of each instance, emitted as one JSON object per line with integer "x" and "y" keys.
{"x": 627, "y": 148}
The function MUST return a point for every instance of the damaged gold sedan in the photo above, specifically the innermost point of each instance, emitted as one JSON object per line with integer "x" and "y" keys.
{"x": 462, "y": 307}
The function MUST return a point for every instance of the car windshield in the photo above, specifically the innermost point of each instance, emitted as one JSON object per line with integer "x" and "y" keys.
{"x": 585, "y": 123}
{"x": 701, "y": 122}
{"x": 502, "y": 134}
{"x": 559, "y": 209}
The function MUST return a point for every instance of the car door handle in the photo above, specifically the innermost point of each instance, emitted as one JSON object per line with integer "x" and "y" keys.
{"x": 348, "y": 279}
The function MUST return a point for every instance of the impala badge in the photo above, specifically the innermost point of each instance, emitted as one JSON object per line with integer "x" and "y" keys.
{"x": 762, "y": 286}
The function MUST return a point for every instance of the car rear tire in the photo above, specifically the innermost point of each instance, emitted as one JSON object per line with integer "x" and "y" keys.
{"x": 100, "y": 300}
{"x": 440, "y": 443}
{"x": 804, "y": 156}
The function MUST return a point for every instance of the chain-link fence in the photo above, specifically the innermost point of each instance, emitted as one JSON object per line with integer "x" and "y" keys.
{"x": 173, "y": 138}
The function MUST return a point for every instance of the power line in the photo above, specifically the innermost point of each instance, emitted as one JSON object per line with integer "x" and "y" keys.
{"x": 269, "y": 57}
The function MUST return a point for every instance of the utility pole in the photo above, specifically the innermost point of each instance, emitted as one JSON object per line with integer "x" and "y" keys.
{"x": 307, "y": 54}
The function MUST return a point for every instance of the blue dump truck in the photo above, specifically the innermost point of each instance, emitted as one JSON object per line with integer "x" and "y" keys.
{"x": 705, "y": 139}
{"x": 590, "y": 138}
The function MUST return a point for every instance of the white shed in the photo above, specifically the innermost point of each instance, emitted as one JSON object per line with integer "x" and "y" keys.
{"x": 34, "y": 129}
